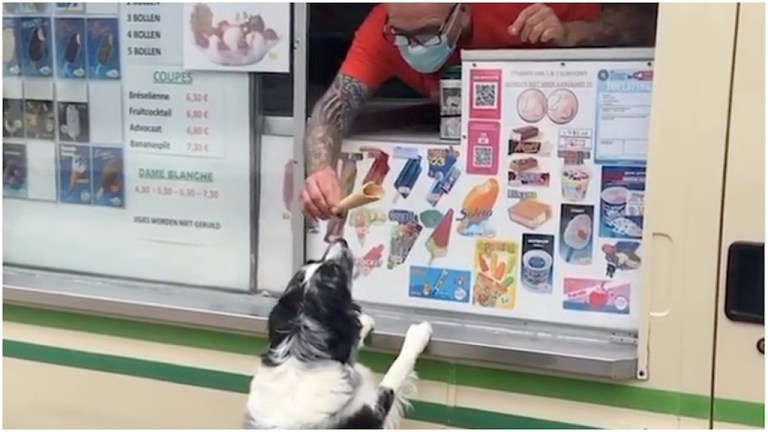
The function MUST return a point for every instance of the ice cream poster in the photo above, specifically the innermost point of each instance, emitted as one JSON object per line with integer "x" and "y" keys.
{"x": 379, "y": 167}
{"x": 401, "y": 241}
{"x": 73, "y": 122}
{"x": 537, "y": 263}
{"x": 439, "y": 284}
{"x": 362, "y": 219}
{"x": 39, "y": 119}
{"x": 11, "y": 64}
{"x": 593, "y": 295}
{"x": 75, "y": 174}
{"x": 241, "y": 37}
{"x": 108, "y": 177}
{"x": 372, "y": 259}
{"x": 437, "y": 243}
{"x": 495, "y": 269}
{"x": 103, "y": 48}
{"x": 36, "y": 53}
{"x": 622, "y": 256}
{"x": 576, "y": 236}
{"x": 14, "y": 171}
{"x": 442, "y": 168}
{"x": 13, "y": 118}
{"x": 477, "y": 209}
{"x": 407, "y": 177}
{"x": 622, "y": 197}
{"x": 70, "y": 48}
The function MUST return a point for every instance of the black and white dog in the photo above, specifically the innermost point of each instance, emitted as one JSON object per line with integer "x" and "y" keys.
{"x": 309, "y": 377}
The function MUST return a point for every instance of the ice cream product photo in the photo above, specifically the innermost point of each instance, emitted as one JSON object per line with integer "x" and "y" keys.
{"x": 379, "y": 168}
{"x": 574, "y": 182}
{"x": 530, "y": 213}
{"x": 622, "y": 202}
{"x": 13, "y": 118}
{"x": 537, "y": 263}
{"x": 407, "y": 177}
{"x": 437, "y": 243}
{"x": 39, "y": 119}
{"x": 70, "y": 48}
{"x": 238, "y": 37}
{"x": 596, "y": 295}
{"x": 402, "y": 239}
{"x": 14, "y": 170}
{"x": 108, "y": 177}
{"x": 439, "y": 284}
{"x": 11, "y": 63}
{"x": 372, "y": 259}
{"x": 36, "y": 49}
{"x": 75, "y": 174}
{"x": 477, "y": 209}
{"x": 103, "y": 54}
{"x": 73, "y": 122}
{"x": 576, "y": 230}
{"x": 495, "y": 273}
{"x": 362, "y": 219}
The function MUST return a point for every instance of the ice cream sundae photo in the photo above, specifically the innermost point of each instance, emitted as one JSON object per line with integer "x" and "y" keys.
{"x": 241, "y": 40}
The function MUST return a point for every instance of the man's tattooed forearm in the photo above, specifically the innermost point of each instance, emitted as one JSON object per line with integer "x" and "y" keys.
{"x": 619, "y": 25}
{"x": 331, "y": 118}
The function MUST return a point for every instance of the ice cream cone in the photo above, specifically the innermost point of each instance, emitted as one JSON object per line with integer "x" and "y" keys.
{"x": 371, "y": 192}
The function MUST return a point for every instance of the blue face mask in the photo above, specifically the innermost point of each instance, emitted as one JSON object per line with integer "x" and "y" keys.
{"x": 427, "y": 59}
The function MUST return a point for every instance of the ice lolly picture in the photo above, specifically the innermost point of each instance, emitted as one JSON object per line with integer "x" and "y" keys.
{"x": 437, "y": 243}
{"x": 379, "y": 169}
{"x": 10, "y": 47}
{"x": 407, "y": 177}
{"x": 105, "y": 51}
{"x": 103, "y": 43}
{"x": 371, "y": 260}
{"x": 495, "y": 269}
{"x": 403, "y": 238}
{"x": 70, "y": 47}
{"x": 288, "y": 189}
{"x": 35, "y": 48}
{"x": 362, "y": 219}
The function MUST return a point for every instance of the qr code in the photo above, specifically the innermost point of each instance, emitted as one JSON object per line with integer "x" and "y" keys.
{"x": 482, "y": 156}
{"x": 485, "y": 95}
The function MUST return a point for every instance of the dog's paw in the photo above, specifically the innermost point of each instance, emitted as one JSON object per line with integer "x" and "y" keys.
{"x": 367, "y": 324}
{"x": 417, "y": 338}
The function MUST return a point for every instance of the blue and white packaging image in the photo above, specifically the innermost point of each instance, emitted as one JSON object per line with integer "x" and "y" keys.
{"x": 70, "y": 47}
{"x": 11, "y": 63}
{"x": 36, "y": 52}
{"x": 103, "y": 53}
{"x": 622, "y": 202}
{"x": 108, "y": 177}
{"x": 14, "y": 170}
{"x": 75, "y": 174}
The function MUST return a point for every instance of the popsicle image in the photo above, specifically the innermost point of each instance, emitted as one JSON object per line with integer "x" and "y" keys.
{"x": 37, "y": 47}
{"x": 437, "y": 243}
{"x": 78, "y": 170}
{"x": 371, "y": 259}
{"x": 72, "y": 50}
{"x": 9, "y": 45}
{"x": 379, "y": 169}
{"x": 288, "y": 187}
{"x": 577, "y": 234}
{"x": 443, "y": 186}
{"x": 403, "y": 238}
{"x": 105, "y": 51}
{"x": 407, "y": 177}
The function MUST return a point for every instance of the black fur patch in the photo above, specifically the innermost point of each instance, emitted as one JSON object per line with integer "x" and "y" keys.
{"x": 371, "y": 417}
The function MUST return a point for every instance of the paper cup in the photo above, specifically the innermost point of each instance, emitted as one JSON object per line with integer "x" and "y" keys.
{"x": 537, "y": 268}
{"x": 575, "y": 182}
{"x": 613, "y": 201}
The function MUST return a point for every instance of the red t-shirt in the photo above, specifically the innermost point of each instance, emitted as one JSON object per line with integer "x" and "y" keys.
{"x": 373, "y": 59}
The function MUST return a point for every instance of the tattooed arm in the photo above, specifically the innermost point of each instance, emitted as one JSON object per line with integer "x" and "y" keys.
{"x": 331, "y": 118}
{"x": 619, "y": 25}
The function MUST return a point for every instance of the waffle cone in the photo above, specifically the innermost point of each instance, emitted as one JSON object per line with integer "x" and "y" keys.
{"x": 369, "y": 193}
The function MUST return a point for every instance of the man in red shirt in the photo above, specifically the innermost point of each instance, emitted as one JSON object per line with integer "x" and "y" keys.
{"x": 415, "y": 41}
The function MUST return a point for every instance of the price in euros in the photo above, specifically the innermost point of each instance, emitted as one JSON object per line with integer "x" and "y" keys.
{"x": 188, "y": 192}
{"x": 197, "y": 130}
{"x": 210, "y": 193}
{"x": 164, "y": 190}
{"x": 142, "y": 189}
{"x": 197, "y": 97}
{"x": 196, "y": 147}
{"x": 197, "y": 114}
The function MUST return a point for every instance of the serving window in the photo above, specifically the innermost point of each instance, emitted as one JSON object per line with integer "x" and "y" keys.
{"x": 139, "y": 180}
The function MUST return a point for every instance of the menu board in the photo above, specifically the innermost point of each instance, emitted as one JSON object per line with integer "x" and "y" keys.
{"x": 117, "y": 160}
{"x": 537, "y": 214}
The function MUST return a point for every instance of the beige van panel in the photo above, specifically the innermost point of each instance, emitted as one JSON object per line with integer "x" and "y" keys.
{"x": 740, "y": 368}
{"x": 692, "y": 75}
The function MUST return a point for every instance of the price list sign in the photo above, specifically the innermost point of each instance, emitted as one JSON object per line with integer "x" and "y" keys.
{"x": 175, "y": 112}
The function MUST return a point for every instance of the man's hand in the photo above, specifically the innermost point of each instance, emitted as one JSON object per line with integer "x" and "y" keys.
{"x": 321, "y": 194}
{"x": 538, "y": 23}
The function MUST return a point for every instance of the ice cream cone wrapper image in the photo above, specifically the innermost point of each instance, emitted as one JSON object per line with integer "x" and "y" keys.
{"x": 370, "y": 192}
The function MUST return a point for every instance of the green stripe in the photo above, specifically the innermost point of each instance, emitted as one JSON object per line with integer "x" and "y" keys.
{"x": 571, "y": 389}
{"x": 238, "y": 383}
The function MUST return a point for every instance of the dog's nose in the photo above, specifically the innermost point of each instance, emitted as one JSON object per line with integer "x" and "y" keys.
{"x": 342, "y": 242}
